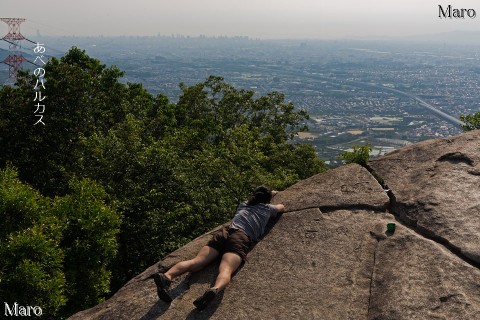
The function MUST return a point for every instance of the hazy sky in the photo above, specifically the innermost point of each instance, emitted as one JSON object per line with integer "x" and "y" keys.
{"x": 254, "y": 18}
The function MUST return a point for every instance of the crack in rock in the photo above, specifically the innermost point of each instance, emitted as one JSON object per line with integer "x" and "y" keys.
{"x": 400, "y": 210}
{"x": 371, "y": 278}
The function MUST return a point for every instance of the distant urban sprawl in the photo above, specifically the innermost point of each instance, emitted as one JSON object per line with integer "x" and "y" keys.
{"x": 356, "y": 91}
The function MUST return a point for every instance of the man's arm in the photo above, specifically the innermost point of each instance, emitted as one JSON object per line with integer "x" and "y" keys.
{"x": 279, "y": 207}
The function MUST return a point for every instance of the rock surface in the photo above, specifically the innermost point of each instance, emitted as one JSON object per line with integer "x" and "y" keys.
{"x": 330, "y": 257}
{"x": 416, "y": 278}
{"x": 350, "y": 186}
{"x": 436, "y": 184}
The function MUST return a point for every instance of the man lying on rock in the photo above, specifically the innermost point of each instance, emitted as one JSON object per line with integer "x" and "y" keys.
{"x": 233, "y": 243}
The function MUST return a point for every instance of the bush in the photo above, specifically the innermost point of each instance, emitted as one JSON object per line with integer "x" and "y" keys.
{"x": 472, "y": 121}
{"x": 55, "y": 254}
{"x": 89, "y": 242}
{"x": 359, "y": 155}
{"x": 31, "y": 270}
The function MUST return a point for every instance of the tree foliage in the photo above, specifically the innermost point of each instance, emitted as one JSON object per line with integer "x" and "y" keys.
{"x": 89, "y": 243}
{"x": 173, "y": 170}
{"x": 82, "y": 96}
{"x": 472, "y": 121}
{"x": 30, "y": 257}
{"x": 359, "y": 155}
{"x": 55, "y": 252}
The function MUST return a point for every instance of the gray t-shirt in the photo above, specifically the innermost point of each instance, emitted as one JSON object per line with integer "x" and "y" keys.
{"x": 253, "y": 219}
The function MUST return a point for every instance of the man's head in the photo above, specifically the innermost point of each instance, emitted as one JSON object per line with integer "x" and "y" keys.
{"x": 261, "y": 194}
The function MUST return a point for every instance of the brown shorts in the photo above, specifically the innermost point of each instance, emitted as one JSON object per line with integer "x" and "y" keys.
{"x": 231, "y": 240}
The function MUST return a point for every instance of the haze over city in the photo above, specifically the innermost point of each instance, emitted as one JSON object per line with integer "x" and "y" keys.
{"x": 264, "y": 19}
{"x": 383, "y": 72}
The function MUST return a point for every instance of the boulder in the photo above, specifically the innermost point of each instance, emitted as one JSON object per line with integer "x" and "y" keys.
{"x": 436, "y": 189}
{"x": 416, "y": 278}
{"x": 349, "y": 186}
{"x": 312, "y": 265}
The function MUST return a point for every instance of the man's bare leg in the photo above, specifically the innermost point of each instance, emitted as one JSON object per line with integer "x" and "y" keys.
{"x": 204, "y": 257}
{"x": 229, "y": 264}
{"x": 163, "y": 280}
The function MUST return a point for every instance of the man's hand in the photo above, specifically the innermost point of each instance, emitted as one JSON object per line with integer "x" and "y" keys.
{"x": 280, "y": 208}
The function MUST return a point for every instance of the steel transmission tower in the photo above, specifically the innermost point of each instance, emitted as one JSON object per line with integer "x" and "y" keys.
{"x": 14, "y": 59}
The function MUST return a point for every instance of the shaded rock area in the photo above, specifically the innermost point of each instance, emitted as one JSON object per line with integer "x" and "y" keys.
{"x": 330, "y": 255}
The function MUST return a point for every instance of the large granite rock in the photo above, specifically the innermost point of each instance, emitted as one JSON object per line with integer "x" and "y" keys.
{"x": 312, "y": 265}
{"x": 330, "y": 257}
{"x": 436, "y": 185}
{"x": 350, "y": 186}
{"x": 416, "y": 278}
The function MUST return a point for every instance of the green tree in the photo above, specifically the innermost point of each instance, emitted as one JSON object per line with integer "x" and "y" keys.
{"x": 31, "y": 261}
{"x": 89, "y": 242}
{"x": 472, "y": 121}
{"x": 81, "y": 95}
{"x": 55, "y": 254}
{"x": 214, "y": 107}
{"x": 359, "y": 155}
{"x": 139, "y": 175}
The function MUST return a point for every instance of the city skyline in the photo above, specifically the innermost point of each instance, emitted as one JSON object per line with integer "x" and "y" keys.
{"x": 267, "y": 19}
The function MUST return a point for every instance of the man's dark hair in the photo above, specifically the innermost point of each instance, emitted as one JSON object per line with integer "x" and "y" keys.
{"x": 261, "y": 194}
